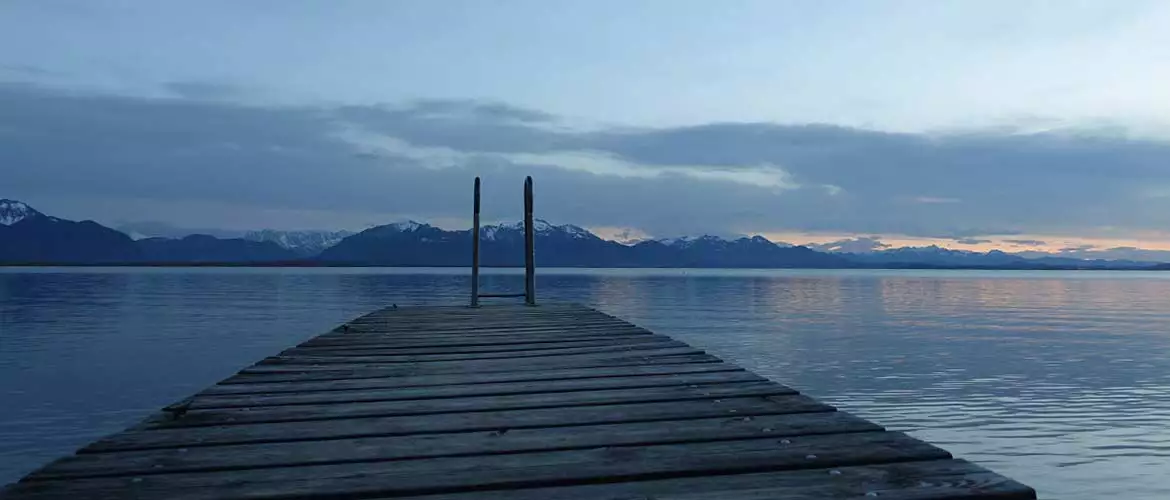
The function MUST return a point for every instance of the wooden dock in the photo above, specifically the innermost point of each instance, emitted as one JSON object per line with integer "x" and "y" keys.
{"x": 505, "y": 402}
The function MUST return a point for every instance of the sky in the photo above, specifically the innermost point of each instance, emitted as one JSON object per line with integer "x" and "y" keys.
{"x": 1021, "y": 125}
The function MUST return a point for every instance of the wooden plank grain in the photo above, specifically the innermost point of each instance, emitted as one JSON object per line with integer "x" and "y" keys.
{"x": 252, "y": 375}
{"x": 351, "y": 332}
{"x": 474, "y": 390}
{"x": 920, "y": 480}
{"x": 250, "y": 386}
{"x": 303, "y": 357}
{"x": 189, "y": 437}
{"x": 542, "y": 363}
{"x": 470, "y": 341}
{"x": 496, "y": 441}
{"x": 518, "y": 470}
{"x": 485, "y": 323}
{"x": 237, "y": 416}
{"x": 482, "y": 347}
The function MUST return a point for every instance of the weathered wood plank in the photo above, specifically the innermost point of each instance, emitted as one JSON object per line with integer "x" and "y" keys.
{"x": 208, "y": 401}
{"x": 463, "y": 379}
{"x": 550, "y": 329}
{"x": 471, "y": 341}
{"x": 535, "y": 469}
{"x": 439, "y": 445}
{"x": 925, "y": 480}
{"x": 476, "y": 403}
{"x": 288, "y": 375}
{"x": 407, "y": 327}
{"x": 545, "y": 362}
{"x": 488, "y": 321}
{"x": 439, "y": 312}
{"x": 189, "y": 437}
{"x": 484, "y": 347}
{"x": 319, "y": 358}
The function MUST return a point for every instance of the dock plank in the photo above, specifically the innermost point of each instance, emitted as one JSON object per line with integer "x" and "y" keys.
{"x": 543, "y": 362}
{"x": 507, "y": 402}
{"x": 457, "y": 422}
{"x": 471, "y": 390}
{"x": 301, "y": 357}
{"x": 270, "y": 374}
{"x": 518, "y": 470}
{"x": 502, "y": 440}
{"x": 925, "y": 480}
{"x": 236, "y": 416}
{"x": 403, "y": 348}
{"x": 250, "y": 386}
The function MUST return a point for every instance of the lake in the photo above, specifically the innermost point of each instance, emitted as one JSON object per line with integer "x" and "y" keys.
{"x": 1058, "y": 379}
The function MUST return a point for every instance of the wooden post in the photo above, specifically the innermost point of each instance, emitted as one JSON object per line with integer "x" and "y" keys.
{"x": 529, "y": 247}
{"x": 475, "y": 249}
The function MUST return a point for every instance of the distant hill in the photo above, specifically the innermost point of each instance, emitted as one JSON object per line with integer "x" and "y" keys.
{"x": 402, "y": 244}
{"x": 301, "y": 243}
{"x": 414, "y": 244}
{"x": 938, "y": 257}
{"x": 28, "y": 236}
{"x": 935, "y": 255}
{"x": 754, "y": 252}
{"x": 201, "y": 248}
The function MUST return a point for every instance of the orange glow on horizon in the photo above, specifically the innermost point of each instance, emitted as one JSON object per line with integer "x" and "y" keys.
{"x": 1007, "y": 243}
{"x": 1146, "y": 240}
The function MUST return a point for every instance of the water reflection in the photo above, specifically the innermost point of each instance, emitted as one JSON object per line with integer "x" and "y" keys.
{"x": 1058, "y": 379}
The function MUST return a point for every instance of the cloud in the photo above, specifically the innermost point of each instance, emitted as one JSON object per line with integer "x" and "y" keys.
{"x": 417, "y": 158}
{"x": 623, "y": 235}
{"x": 1027, "y": 243}
{"x": 971, "y": 241}
{"x": 862, "y": 244}
{"x": 28, "y": 70}
{"x": 933, "y": 199}
{"x": 847, "y": 179}
{"x": 479, "y": 110}
{"x": 1116, "y": 253}
{"x": 205, "y": 90}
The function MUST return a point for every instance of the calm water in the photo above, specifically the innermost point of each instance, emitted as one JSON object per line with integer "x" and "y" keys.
{"x": 1058, "y": 379}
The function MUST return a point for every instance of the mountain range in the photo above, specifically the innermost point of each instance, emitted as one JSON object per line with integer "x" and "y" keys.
{"x": 416, "y": 244}
{"x": 302, "y": 243}
{"x": 28, "y": 236}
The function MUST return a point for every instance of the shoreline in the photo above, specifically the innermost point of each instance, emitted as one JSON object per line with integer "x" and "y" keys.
{"x": 310, "y": 264}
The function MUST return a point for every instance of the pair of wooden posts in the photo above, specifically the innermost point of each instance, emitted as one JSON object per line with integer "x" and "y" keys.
{"x": 529, "y": 255}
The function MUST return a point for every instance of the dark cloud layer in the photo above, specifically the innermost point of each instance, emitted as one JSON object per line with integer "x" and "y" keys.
{"x": 1026, "y": 243}
{"x": 199, "y": 148}
{"x": 971, "y": 241}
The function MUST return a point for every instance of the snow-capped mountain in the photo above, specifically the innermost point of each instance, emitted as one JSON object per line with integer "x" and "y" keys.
{"x": 305, "y": 243}
{"x": 539, "y": 226}
{"x": 413, "y": 244}
{"x": 686, "y": 241}
{"x": 709, "y": 239}
{"x": 12, "y": 211}
{"x": 936, "y": 255}
{"x": 405, "y": 244}
{"x": 28, "y": 236}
